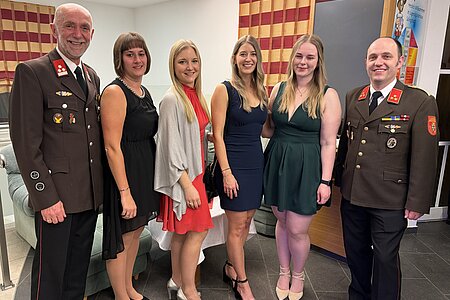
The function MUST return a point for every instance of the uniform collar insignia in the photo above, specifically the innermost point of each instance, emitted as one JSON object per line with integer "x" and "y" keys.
{"x": 394, "y": 96}
{"x": 363, "y": 94}
{"x": 60, "y": 67}
{"x": 86, "y": 72}
{"x": 63, "y": 93}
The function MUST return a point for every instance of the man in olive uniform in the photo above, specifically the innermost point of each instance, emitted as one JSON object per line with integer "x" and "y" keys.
{"x": 386, "y": 168}
{"x": 56, "y": 137}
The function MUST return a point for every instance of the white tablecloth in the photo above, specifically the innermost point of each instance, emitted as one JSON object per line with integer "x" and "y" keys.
{"x": 216, "y": 236}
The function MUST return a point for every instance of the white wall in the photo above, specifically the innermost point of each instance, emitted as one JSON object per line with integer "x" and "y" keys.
{"x": 428, "y": 77}
{"x": 211, "y": 24}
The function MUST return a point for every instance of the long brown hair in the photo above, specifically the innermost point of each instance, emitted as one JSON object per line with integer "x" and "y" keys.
{"x": 257, "y": 76}
{"x": 314, "y": 103}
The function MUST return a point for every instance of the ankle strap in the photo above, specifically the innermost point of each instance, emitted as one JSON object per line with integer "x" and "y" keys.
{"x": 240, "y": 281}
{"x": 285, "y": 271}
{"x": 297, "y": 275}
{"x": 228, "y": 263}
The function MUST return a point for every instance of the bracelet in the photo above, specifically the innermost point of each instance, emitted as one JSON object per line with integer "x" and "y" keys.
{"x": 123, "y": 190}
{"x": 226, "y": 169}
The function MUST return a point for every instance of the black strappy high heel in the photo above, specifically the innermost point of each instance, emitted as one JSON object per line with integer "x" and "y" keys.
{"x": 227, "y": 279}
{"x": 236, "y": 292}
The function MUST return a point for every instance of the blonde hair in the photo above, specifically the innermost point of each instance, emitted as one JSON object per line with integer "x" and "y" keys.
{"x": 179, "y": 46}
{"x": 257, "y": 76}
{"x": 314, "y": 102}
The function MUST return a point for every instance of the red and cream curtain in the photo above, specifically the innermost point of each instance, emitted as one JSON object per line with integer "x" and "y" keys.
{"x": 277, "y": 24}
{"x": 24, "y": 34}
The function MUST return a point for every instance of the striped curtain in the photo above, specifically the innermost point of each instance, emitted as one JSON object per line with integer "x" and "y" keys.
{"x": 25, "y": 34}
{"x": 277, "y": 24}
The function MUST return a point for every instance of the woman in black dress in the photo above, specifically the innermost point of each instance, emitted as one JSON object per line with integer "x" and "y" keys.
{"x": 129, "y": 122}
{"x": 239, "y": 110}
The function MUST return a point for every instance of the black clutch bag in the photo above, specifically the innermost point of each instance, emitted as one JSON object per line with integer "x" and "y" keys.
{"x": 208, "y": 180}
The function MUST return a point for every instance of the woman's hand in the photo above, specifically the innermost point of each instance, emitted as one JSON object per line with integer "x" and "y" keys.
{"x": 323, "y": 193}
{"x": 230, "y": 185}
{"x": 129, "y": 208}
{"x": 192, "y": 197}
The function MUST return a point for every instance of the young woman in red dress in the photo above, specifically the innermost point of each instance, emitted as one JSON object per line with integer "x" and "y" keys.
{"x": 180, "y": 165}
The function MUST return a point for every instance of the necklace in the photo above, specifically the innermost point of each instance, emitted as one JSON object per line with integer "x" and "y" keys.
{"x": 300, "y": 91}
{"x": 139, "y": 96}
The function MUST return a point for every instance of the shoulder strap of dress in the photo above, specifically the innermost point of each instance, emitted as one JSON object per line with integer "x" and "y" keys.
{"x": 325, "y": 88}
{"x": 280, "y": 91}
{"x": 229, "y": 92}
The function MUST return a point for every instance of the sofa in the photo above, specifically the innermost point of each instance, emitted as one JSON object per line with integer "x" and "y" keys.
{"x": 97, "y": 278}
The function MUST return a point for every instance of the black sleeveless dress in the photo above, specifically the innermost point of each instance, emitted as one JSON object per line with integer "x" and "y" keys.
{"x": 138, "y": 148}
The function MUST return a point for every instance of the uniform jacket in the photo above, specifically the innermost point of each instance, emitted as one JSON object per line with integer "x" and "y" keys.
{"x": 388, "y": 160}
{"x": 55, "y": 132}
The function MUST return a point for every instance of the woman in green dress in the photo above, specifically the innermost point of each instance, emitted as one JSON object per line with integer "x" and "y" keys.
{"x": 303, "y": 122}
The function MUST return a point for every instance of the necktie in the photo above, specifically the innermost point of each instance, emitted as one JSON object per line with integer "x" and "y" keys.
{"x": 80, "y": 80}
{"x": 374, "y": 101}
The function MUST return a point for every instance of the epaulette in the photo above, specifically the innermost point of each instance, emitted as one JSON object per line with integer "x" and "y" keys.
{"x": 420, "y": 89}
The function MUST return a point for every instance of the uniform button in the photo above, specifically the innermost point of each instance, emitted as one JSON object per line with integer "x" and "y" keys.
{"x": 40, "y": 186}
{"x": 49, "y": 171}
{"x": 91, "y": 160}
{"x": 87, "y": 109}
{"x": 366, "y": 128}
{"x": 91, "y": 143}
{"x": 64, "y": 105}
{"x": 399, "y": 181}
{"x": 360, "y": 154}
{"x": 363, "y": 142}
{"x": 89, "y": 127}
{"x": 358, "y": 166}
{"x": 34, "y": 175}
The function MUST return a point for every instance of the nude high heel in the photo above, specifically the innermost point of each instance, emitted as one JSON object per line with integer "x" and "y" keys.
{"x": 297, "y": 295}
{"x": 172, "y": 289}
{"x": 180, "y": 295}
{"x": 283, "y": 294}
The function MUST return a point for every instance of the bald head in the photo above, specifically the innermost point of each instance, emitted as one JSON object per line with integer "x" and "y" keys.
{"x": 73, "y": 30}
{"x": 63, "y": 9}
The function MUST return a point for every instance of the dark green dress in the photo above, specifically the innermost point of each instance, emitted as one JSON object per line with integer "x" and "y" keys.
{"x": 293, "y": 165}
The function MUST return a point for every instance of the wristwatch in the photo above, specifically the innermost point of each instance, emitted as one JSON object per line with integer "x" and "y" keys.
{"x": 326, "y": 182}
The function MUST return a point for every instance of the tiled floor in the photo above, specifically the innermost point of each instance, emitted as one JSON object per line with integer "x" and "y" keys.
{"x": 425, "y": 259}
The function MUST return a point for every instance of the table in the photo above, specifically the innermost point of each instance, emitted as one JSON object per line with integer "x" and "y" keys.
{"x": 216, "y": 236}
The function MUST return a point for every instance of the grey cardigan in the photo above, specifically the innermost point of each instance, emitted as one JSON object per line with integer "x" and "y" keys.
{"x": 178, "y": 149}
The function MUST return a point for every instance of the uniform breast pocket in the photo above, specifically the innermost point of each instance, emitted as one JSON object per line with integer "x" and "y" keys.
{"x": 64, "y": 113}
{"x": 394, "y": 137}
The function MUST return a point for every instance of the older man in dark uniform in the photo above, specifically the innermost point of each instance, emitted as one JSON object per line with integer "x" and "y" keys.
{"x": 386, "y": 167}
{"x": 56, "y": 138}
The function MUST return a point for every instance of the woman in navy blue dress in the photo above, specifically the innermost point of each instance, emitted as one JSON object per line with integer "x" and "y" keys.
{"x": 239, "y": 110}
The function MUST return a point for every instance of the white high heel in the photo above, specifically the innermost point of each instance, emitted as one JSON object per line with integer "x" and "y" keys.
{"x": 297, "y": 295}
{"x": 172, "y": 289}
{"x": 283, "y": 294}
{"x": 180, "y": 295}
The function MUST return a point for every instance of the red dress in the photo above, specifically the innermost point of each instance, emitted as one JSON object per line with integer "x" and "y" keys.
{"x": 194, "y": 219}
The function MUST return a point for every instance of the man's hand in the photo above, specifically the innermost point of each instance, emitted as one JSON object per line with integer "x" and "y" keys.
{"x": 412, "y": 215}
{"x": 54, "y": 214}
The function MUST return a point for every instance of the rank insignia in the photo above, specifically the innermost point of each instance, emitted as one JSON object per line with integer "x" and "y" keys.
{"x": 391, "y": 143}
{"x": 86, "y": 72}
{"x": 64, "y": 93}
{"x": 392, "y": 127}
{"x": 363, "y": 94}
{"x": 60, "y": 67}
{"x": 57, "y": 118}
{"x": 396, "y": 118}
{"x": 432, "y": 129}
{"x": 72, "y": 119}
{"x": 394, "y": 96}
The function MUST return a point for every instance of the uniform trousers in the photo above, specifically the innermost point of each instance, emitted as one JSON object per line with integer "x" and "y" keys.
{"x": 372, "y": 240}
{"x": 62, "y": 256}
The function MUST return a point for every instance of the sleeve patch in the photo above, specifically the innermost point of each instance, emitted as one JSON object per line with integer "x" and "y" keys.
{"x": 432, "y": 126}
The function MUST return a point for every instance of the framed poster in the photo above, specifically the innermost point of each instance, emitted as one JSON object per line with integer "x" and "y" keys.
{"x": 409, "y": 29}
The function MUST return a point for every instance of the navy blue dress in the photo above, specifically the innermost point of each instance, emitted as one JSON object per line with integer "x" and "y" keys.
{"x": 242, "y": 139}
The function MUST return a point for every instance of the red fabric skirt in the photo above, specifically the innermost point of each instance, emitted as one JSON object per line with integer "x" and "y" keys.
{"x": 197, "y": 220}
